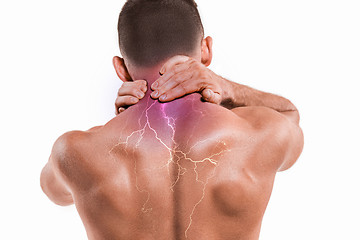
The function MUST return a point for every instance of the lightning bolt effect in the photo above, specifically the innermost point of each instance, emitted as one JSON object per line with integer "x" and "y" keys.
{"x": 175, "y": 155}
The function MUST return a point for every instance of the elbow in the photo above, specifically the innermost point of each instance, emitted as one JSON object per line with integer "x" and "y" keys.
{"x": 296, "y": 117}
{"x": 64, "y": 201}
{"x": 44, "y": 179}
{"x": 293, "y": 116}
{"x": 61, "y": 199}
{"x": 53, "y": 190}
{"x": 294, "y": 145}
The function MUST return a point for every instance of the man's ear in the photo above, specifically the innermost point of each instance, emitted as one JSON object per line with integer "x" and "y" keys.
{"x": 121, "y": 69}
{"x": 206, "y": 51}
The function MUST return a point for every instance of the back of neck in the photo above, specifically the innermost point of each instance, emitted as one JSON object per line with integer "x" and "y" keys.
{"x": 150, "y": 75}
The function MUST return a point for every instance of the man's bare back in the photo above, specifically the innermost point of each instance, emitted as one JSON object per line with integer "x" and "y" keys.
{"x": 180, "y": 170}
{"x": 184, "y": 169}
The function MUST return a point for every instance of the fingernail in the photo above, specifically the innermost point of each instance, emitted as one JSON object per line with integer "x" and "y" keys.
{"x": 163, "y": 97}
{"x": 134, "y": 100}
{"x": 155, "y": 85}
{"x": 155, "y": 94}
{"x": 162, "y": 71}
{"x": 139, "y": 94}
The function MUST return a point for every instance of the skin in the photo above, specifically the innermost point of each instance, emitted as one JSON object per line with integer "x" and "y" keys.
{"x": 181, "y": 169}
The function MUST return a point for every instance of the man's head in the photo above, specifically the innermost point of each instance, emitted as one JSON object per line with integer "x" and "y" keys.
{"x": 152, "y": 31}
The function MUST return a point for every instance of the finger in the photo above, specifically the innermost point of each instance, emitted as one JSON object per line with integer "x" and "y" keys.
{"x": 210, "y": 96}
{"x": 141, "y": 83}
{"x": 119, "y": 110}
{"x": 207, "y": 94}
{"x": 176, "y": 69}
{"x": 172, "y": 82}
{"x": 173, "y": 61}
{"x": 125, "y": 101}
{"x": 177, "y": 92}
{"x": 132, "y": 89}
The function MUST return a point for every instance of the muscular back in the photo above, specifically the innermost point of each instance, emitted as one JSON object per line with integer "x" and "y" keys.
{"x": 179, "y": 170}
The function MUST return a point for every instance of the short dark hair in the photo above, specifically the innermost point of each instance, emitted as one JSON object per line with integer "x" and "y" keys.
{"x": 151, "y": 31}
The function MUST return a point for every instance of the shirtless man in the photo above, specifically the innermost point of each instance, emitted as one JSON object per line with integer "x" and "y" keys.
{"x": 181, "y": 169}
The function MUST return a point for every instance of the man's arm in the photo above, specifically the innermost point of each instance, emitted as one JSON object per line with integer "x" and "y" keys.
{"x": 238, "y": 95}
{"x": 270, "y": 113}
{"x": 182, "y": 75}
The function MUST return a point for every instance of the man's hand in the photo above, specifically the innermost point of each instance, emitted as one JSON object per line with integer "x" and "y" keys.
{"x": 129, "y": 94}
{"x": 183, "y": 75}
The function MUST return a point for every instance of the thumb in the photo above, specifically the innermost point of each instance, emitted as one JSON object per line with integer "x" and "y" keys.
{"x": 210, "y": 96}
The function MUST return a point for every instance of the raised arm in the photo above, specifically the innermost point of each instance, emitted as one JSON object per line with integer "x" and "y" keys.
{"x": 182, "y": 75}
{"x": 238, "y": 95}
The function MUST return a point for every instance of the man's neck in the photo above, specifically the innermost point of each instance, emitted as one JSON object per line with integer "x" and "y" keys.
{"x": 150, "y": 75}
{"x": 148, "y": 99}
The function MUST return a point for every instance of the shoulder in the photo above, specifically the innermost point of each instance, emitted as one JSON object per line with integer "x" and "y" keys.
{"x": 69, "y": 142}
{"x": 267, "y": 122}
{"x": 67, "y": 151}
{"x": 261, "y": 117}
{"x": 278, "y": 137}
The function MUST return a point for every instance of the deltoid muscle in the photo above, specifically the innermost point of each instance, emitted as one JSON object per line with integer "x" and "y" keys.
{"x": 175, "y": 155}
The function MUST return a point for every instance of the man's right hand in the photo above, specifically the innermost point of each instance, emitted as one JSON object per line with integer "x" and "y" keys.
{"x": 182, "y": 75}
{"x": 129, "y": 94}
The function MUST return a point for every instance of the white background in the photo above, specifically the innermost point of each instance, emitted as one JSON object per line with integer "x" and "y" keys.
{"x": 56, "y": 75}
